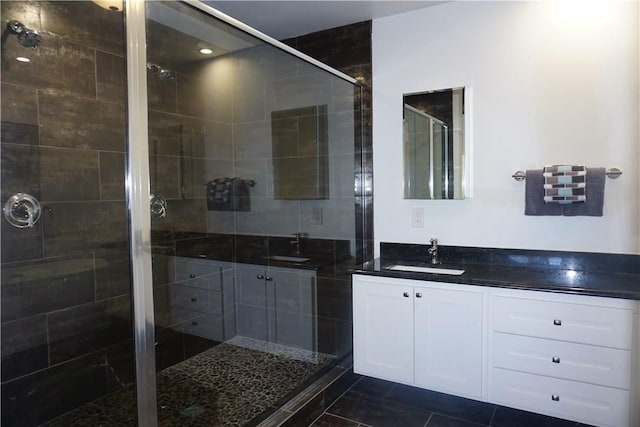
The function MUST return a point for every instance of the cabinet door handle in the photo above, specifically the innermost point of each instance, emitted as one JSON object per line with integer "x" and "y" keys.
{"x": 406, "y": 294}
{"x": 418, "y": 295}
{"x": 555, "y": 359}
{"x": 555, "y": 398}
{"x": 268, "y": 278}
{"x": 192, "y": 276}
{"x": 557, "y": 322}
{"x": 260, "y": 276}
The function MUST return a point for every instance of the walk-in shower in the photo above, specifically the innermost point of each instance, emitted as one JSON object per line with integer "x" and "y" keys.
{"x": 196, "y": 216}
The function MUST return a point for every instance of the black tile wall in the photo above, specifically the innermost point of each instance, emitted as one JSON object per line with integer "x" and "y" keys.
{"x": 24, "y": 346}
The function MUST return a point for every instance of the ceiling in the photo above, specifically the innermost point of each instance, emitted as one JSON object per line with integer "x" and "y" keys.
{"x": 289, "y": 18}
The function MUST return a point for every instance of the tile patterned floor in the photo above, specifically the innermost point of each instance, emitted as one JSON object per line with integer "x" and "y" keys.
{"x": 378, "y": 403}
{"x": 228, "y": 385}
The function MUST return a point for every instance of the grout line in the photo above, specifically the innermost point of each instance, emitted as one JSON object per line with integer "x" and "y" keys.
{"x": 493, "y": 414}
{"x": 428, "y": 420}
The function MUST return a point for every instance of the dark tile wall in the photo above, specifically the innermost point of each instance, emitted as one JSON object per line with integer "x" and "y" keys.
{"x": 66, "y": 306}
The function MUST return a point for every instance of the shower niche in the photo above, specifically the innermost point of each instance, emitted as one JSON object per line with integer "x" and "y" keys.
{"x": 300, "y": 153}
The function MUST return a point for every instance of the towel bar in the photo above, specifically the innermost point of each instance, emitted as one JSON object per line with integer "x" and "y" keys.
{"x": 612, "y": 173}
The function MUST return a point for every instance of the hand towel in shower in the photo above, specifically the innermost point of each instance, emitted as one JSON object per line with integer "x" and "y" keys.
{"x": 593, "y": 206}
{"x": 534, "y": 204}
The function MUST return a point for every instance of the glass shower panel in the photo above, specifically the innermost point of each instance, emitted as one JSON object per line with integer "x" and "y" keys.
{"x": 251, "y": 284}
{"x": 67, "y": 331}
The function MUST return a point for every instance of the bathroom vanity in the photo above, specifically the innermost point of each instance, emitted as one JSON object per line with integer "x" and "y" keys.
{"x": 517, "y": 328}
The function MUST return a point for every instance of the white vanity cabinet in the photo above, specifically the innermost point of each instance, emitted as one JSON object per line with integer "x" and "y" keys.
{"x": 419, "y": 333}
{"x": 567, "y": 356}
{"x": 277, "y": 304}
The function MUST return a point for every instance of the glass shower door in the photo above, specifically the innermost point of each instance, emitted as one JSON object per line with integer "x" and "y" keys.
{"x": 67, "y": 335}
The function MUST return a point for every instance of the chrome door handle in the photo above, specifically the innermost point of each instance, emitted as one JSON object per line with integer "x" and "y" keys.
{"x": 555, "y": 359}
{"x": 418, "y": 295}
{"x": 406, "y": 294}
{"x": 555, "y": 398}
{"x": 557, "y": 322}
{"x": 260, "y": 277}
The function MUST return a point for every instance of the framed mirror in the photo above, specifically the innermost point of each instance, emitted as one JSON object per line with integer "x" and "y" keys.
{"x": 435, "y": 144}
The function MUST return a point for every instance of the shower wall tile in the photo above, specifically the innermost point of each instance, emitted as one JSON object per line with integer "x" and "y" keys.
{"x": 112, "y": 174}
{"x": 164, "y": 174}
{"x": 218, "y": 141}
{"x": 36, "y": 398}
{"x": 111, "y": 77}
{"x": 83, "y": 329}
{"x": 68, "y": 175}
{"x": 56, "y": 64}
{"x": 26, "y": 12}
{"x": 260, "y": 171}
{"x": 161, "y": 95}
{"x": 249, "y": 248}
{"x": 169, "y": 347}
{"x": 18, "y": 133}
{"x": 20, "y": 170}
{"x": 19, "y": 104}
{"x": 334, "y": 298}
{"x": 171, "y": 135}
{"x": 313, "y": 89}
{"x": 269, "y": 216}
{"x": 252, "y": 140}
{"x": 183, "y": 215}
{"x": 112, "y": 273}
{"x": 221, "y": 222}
{"x": 83, "y": 226}
{"x": 85, "y": 23}
{"x": 69, "y": 121}
{"x": 24, "y": 347}
{"x": 32, "y": 288}
{"x": 20, "y": 244}
{"x": 190, "y": 96}
{"x": 120, "y": 365}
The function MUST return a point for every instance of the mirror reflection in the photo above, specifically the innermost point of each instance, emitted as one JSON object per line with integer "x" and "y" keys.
{"x": 434, "y": 144}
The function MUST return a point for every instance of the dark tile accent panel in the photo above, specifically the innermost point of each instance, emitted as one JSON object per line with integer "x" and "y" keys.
{"x": 24, "y": 347}
{"x": 161, "y": 266}
{"x": 249, "y": 248}
{"x": 20, "y": 244}
{"x": 334, "y": 298}
{"x": 90, "y": 25}
{"x": 18, "y": 133}
{"x": 169, "y": 348}
{"x": 20, "y": 170}
{"x": 68, "y": 175}
{"x": 111, "y": 77}
{"x": 83, "y": 226}
{"x": 509, "y": 417}
{"x": 56, "y": 64}
{"x": 328, "y": 420}
{"x": 465, "y": 409}
{"x": 112, "y": 171}
{"x": 214, "y": 246}
{"x": 32, "y": 288}
{"x": 378, "y": 412}
{"x": 327, "y": 335}
{"x": 121, "y": 365}
{"x": 169, "y": 133}
{"x": 70, "y": 121}
{"x": 36, "y": 398}
{"x": 112, "y": 273}
{"x": 438, "y": 420}
{"x": 165, "y": 175}
{"x": 86, "y": 328}
{"x": 18, "y": 105}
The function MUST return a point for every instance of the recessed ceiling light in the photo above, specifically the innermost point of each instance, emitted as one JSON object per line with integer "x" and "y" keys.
{"x": 206, "y": 51}
{"x": 23, "y": 59}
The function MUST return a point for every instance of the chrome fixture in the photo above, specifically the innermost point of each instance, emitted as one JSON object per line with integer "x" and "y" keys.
{"x": 433, "y": 251}
{"x": 613, "y": 173}
{"x": 297, "y": 240}
{"x": 22, "y": 210}
{"x": 158, "y": 206}
{"x": 26, "y": 36}
{"x": 161, "y": 73}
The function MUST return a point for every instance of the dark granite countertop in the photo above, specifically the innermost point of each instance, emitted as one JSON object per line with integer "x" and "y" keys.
{"x": 606, "y": 275}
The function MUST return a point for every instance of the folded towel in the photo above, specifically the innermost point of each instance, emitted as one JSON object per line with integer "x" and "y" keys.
{"x": 228, "y": 194}
{"x": 564, "y": 184}
{"x": 534, "y": 196}
{"x": 593, "y": 206}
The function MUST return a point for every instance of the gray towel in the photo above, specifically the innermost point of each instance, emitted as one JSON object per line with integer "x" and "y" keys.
{"x": 595, "y": 196}
{"x": 534, "y": 204}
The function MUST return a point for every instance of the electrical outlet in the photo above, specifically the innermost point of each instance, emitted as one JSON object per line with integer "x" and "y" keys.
{"x": 417, "y": 218}
{"x": 317, "y": 216}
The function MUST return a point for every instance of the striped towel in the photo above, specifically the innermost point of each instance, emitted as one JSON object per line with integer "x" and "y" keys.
{"x": 565, "y": 184}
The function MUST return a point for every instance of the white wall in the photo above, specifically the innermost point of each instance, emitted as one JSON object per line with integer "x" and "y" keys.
{"x": 550, "y": 86}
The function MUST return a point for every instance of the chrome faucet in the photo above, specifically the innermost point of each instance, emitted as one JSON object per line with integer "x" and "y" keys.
{"x": 297, "y": 240}
{"x": 433, "y": 251}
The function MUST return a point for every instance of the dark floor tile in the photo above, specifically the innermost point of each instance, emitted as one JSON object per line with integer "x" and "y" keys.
{"x": 510, "y": 417}
{"x": 328, "y": 420}
{"x": 438, "y": 420}
{"x": 466, "y": 409}
{"x": 372, "y": 387}
{"x": 377, "y": 412}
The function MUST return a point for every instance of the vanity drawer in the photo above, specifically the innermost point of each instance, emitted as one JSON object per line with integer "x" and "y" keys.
{"x": 586, "y": 324}
{"x": 191, "y": 298}
{"x": 596, "y": 365}
{"x": 591, "y": 404}
{"x": 205, "y": 326}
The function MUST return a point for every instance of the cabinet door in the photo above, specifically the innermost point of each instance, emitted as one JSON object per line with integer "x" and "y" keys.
{"x": 383, "y": 330}
{"x": 253, "y": 315}
{"x": 448, "y": 340}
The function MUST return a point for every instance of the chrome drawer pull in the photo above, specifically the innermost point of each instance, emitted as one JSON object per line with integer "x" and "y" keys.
{"x": 557, "y": 322}
{"x": 406, "y": 294}
{"x": 555, "y": 398}
{"x": 418, "y": 295}
{"x": 268, "y": 278}
{"x": 260, "y": 276}
{"x": 555, "y": 360}
{"x": 192, "y": 276}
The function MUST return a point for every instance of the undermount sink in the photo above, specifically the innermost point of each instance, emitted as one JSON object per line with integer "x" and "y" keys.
{"x": 288, "y": 258}
{"x": 432, "y": 270}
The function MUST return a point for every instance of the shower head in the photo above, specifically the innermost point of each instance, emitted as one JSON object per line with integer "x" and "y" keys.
{"x": 26, "y": 36}
{"x": 162, "y": 74}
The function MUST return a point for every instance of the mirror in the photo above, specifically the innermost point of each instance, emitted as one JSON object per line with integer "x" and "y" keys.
{"x": 434, "y": 144}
